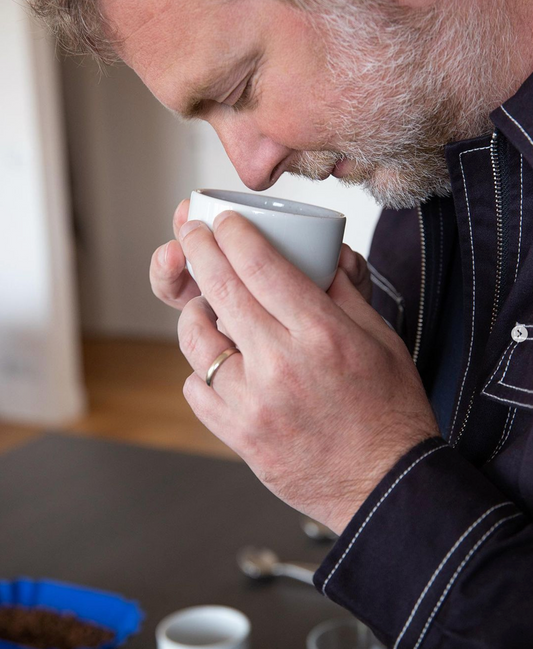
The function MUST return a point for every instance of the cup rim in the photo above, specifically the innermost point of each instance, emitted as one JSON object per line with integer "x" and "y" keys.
{"x": 166, "y": 622}
{"x": 262, "y": 203}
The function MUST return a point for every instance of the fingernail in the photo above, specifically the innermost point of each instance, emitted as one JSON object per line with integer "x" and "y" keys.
{"x": 162, "y": 254}
{"x": 189, "y": 226}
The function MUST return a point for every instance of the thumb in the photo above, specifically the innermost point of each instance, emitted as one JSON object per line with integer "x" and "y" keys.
{"x": 345, "y": 295}
{"x": 355, "y": 266}
{"x": 352, "y": 302}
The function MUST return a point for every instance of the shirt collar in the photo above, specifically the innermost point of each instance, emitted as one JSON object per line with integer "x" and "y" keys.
{"x": 515, "y": 119}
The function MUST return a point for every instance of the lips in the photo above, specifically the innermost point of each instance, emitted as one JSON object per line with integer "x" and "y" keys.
{"x": 316, "y": 165}
{"x": 343, "y": 168}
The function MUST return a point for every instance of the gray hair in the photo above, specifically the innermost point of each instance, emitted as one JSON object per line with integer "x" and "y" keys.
{"x": 79, "y": 26}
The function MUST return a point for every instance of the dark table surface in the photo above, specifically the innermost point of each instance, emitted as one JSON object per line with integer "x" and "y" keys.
{"x": 159, "y": 527}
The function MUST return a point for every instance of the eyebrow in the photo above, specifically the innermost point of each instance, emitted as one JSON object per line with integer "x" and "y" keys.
{"x": 195, "y": 104}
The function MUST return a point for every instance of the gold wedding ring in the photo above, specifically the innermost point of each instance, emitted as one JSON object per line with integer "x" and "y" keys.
{"x": 218, "y": 362}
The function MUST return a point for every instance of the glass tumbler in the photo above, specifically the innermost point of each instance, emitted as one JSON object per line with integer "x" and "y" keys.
{"x": 345, "y": 633}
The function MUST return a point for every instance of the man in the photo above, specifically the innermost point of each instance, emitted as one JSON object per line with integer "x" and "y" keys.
{"x": 423, "y": 470}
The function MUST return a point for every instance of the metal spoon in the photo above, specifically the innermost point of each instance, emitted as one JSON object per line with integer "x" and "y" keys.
{"x": 315, "y": 530}
{"x": 262, "y": 563}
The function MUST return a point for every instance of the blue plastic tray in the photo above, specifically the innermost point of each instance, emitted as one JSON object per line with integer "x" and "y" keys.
{"x": 109, "y": 610}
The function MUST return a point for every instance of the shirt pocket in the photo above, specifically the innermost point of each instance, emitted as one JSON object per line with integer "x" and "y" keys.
{"x": 511, "y": 382}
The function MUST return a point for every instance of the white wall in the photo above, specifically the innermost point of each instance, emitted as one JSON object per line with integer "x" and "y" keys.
{"x": 132, "y": 162}
{"x": 39, "y": 347}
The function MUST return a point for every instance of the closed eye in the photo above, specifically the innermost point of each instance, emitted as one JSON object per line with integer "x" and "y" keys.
{"x": 246, "y": 99}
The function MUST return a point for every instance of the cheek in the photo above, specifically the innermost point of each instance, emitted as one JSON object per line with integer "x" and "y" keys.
{"x": 290, "y": 121}
{"x": 296, "y": 110}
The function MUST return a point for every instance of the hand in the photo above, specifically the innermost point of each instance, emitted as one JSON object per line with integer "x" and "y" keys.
{"x": 172, "y": 283}
{"x": 324, "y": 398}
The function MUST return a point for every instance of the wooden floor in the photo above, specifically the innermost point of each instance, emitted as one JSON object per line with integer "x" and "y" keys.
{"x": 134, "y": 395}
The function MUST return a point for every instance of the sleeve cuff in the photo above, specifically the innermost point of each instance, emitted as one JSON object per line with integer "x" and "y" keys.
{"x": 406, "y": 546}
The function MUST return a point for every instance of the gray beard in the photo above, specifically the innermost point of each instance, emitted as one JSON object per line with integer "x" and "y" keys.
{"x": 429, "y": 77}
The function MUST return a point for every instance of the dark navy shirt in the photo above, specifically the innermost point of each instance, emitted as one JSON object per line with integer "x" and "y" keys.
{"x": 440, "y": 555}
{"x": 448, "y": 353}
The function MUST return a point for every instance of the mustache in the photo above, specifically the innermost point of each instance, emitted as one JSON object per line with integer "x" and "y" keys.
{"x": 318, "y": 165}
{"x": 315, "y": 165}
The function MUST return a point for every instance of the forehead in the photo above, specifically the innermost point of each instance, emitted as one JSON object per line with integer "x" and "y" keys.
{"x": 173, "y": 44}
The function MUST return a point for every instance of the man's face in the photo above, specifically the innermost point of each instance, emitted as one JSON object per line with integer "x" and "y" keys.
{"x": 285, "y": 91}
{"x": 254, "y": 69}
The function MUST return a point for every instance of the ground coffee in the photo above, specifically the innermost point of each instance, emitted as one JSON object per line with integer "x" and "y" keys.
{"x": 43, "y": 629}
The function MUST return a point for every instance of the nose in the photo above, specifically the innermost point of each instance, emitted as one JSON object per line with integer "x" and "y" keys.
{"x": 258, "y": 160}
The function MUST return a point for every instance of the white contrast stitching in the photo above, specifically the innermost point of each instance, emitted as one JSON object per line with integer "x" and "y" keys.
{"x": 508, "y": 362}
{"x": 521, "y": 214}
{"x": 423, "y": 269}
{"x": 442, "y": 564}
{"x": 501, "y": 380}
{"x": 363, "y": 525}
{"x": 515, "y": 387}
{"x": 508, "y": 385}
{"x": 384, "y": 280}
{"x": 441, "y": 248}
{"x": 519, "y": 125}
{"x": 473, "y": 288}
{"x": 495, "y": 452}
{"x": 398, "y": 301}
{"x": 458, "y": 571}
{"x": 499, "y": 364}
{"x": 386, "y": 289}
{"x": 504, "y": 440}
{"x": 505, "y": 435}
{"x": 496, "y": 176}
{"x": 509, "y": 401}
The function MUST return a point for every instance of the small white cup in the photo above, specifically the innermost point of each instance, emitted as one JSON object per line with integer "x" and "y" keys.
{"x": 310, "y": 237}
{"x": 211, "y": 627}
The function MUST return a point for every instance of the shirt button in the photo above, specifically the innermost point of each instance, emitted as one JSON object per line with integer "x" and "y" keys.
{"x": 519, "y": 334}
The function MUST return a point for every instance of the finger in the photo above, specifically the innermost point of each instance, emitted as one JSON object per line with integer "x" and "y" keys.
{"x": 355, "y": 266}
{"x": 352, "y": 302}
{"x": 281, "y": 288}
{"x": 222, "y": 328}
{"x": 243, "y": 317}
{"x": 180, "y": 216}
{"x": 352, "y": 263}
{"x": 211, "y": 410}
{"x": 201, "y": 343}
{"x": 171, "y": 282}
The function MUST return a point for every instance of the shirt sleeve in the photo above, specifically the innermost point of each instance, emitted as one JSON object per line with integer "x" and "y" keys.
{"x": 436, "y": 557}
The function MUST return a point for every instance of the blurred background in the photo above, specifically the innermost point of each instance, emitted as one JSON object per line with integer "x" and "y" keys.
{"x": 91, "y": 170}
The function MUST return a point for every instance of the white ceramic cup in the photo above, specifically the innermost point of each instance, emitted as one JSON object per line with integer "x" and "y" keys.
{"x": 310, "y": 237}
{"x": 212, "y": 627}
